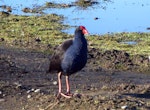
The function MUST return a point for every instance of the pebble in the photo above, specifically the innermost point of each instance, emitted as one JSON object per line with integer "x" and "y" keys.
{"x": 28, "y": 91}
{"x": 37, "y": 90}
{"x": 32, "y": 89}
{"x": 0, "y": 92}
{"x": 55, "y": 82}
{"x": 28, "y": 96}
{"x": 2, "y": 100}
{"x": 124, "y": 107}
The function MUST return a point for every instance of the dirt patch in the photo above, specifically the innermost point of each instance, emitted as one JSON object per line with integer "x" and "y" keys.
{"x": 118, "y": 60}
{"x": 25, "y": 85}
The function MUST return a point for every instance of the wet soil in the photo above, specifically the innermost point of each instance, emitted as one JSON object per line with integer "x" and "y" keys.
{"x": 25, "y": 85}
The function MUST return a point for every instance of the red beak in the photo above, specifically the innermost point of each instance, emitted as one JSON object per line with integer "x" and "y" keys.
{"x": 85, "y": 32}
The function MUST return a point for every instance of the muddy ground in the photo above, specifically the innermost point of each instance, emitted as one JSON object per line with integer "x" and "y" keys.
{"x": 25, "y": 85}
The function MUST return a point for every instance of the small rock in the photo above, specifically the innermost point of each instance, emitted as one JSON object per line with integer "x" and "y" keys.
{"x": 32, "y": 89}
{"x": 19, "y": 93}
{"x": 28, "y": 91}
{"x": 37, "y": 90}
{"x": 28, "y": 96}
{"x": 55, "y": 82}
{"x": 2, "y": 100}
{"x": 124, "y": 107}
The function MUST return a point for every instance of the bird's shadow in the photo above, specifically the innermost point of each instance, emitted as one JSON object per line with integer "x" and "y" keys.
{"x": 144, "y": 95}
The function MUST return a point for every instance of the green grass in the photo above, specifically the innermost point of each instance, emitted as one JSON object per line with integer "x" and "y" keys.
{"x": 26, "y": 28}
{"x": 23, "y": 30}
{"x": 113, "y": 41}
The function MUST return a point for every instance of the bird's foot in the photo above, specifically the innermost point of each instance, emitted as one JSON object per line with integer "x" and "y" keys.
{"x": 69, "y": 94}
{"x": 64, "y": 95}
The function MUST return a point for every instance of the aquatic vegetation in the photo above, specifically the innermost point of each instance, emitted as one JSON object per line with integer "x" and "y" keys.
{"x": 57, "y": 5}
{"x": 85, "y": 3}
{"x": 40, "y": 9}
{"x": 6, "y": 8}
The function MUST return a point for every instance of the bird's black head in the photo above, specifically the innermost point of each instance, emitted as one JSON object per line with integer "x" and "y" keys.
{"x": 82, "y": 30}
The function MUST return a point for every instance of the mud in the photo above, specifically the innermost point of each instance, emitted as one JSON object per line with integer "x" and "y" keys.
{"x": 25, "y": 85}
{"x": 119, "y": 60}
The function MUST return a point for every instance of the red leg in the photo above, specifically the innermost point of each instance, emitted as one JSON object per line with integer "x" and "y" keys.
{"x": 59, "y": 82}
{"x": 68, "y": 86}
{"x": 60, "y": 87}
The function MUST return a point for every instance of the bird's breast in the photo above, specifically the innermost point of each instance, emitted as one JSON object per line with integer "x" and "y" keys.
{"x": 75, "y": 57}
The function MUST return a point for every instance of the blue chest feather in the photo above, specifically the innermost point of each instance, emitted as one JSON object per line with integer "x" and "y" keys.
{"x": 75, "y": 57}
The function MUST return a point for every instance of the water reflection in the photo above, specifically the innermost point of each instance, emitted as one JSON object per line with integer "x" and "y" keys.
{"x": 116, "y": 16}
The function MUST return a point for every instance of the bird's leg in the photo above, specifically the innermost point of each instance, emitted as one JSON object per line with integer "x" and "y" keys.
{"x": 67, "y": 84}
{"x": 68, "y": 87}
{"x": 60, "y": 87}
{"x": 59, "y": 84}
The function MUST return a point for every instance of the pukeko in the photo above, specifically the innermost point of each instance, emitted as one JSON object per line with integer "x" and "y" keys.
{"x": 69, "y": 57}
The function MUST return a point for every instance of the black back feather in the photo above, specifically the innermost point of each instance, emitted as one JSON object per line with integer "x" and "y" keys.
{"x": 57, "y": 56}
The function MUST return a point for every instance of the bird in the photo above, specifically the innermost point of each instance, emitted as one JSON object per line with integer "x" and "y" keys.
{"x": 69, "y": 58}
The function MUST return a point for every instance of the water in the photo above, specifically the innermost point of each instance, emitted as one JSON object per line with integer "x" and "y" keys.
{"x": 129, "y": 42}
{"x": 116, "y": 16}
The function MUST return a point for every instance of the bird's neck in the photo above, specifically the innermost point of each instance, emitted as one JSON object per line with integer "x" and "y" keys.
{"x": 78, "y": 35}
{"x": 79, "y": 40}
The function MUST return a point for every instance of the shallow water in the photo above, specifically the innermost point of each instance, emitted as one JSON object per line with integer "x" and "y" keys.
{"x": 129, "y": 42}
{"x": 116, "y": 16}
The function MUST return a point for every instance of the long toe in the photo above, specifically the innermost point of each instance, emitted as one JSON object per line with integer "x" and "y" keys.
{"x": 58, "y": 96}
{"x": 69, "y": 94}
{"x": 66, "y": 96}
